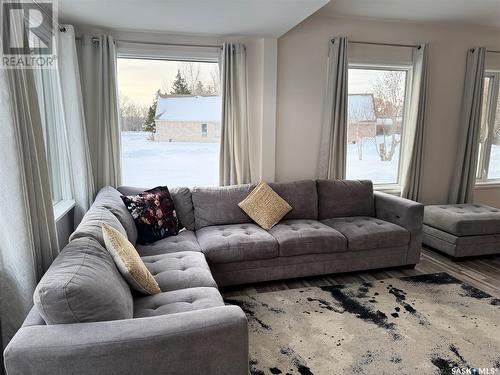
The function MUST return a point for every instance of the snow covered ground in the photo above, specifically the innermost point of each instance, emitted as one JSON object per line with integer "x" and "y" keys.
{"x": 494, "y": 169}
{"x": 371, "y": 167}
{"x": 149, "y": 164}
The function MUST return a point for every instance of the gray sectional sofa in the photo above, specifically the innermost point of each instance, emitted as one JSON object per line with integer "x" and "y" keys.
{"x": 86, "y": 319}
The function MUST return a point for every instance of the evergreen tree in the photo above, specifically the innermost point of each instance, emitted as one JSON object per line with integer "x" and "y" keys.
{"x": 180, "y": 86}
{"x": 149, "y": 122}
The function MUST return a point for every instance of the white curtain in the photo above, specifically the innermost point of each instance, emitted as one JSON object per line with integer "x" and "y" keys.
{"x": 464, "y": 178}
{"x": 234, "y": 148}
{"x": 101, "y": 108}
{"x": 333, "y": 144}
{"x": 27, "y": 228}
{"x": 76, "y": 130}
{"x": 414, "y": 132}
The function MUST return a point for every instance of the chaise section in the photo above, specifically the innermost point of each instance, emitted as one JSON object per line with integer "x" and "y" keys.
{"x": 296, "y": 237}
{"x": 186, "y": 269}
{"x": 184, "y": 241}
{"x": 462, "y": 230}
{"x": 364, "y": 232}
{"x": 236, "y": 242}
{"x": 212, "y": 341}
{"x": 464, "y": 219}
{"x": 177, "y": 301}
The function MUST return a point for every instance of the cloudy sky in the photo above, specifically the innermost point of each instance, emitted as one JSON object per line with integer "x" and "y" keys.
{"x": 139, "y": 79}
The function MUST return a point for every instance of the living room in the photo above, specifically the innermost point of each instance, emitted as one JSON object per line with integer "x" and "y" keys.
{"x": 263, "y": 187}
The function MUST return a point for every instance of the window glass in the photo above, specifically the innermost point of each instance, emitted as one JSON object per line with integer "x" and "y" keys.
{"x": 170, "y": 118}
{"x": 51, "y": 113}
{"x": 488, "y": 166}
{"x": 376, "y": 109}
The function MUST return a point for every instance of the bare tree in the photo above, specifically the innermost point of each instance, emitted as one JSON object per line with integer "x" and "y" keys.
{"x": 191, "y": 72}
{"x": 132, "y": 115}
{"x": 389, "y": 90}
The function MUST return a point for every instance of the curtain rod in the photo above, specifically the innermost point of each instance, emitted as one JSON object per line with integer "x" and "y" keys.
{"x": 385, "y": 44}
{"x": 96, "y": 40}
{"x": 492, "y": 51}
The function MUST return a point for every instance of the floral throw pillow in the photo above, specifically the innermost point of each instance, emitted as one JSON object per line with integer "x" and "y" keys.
{"x": 154, "y": 214}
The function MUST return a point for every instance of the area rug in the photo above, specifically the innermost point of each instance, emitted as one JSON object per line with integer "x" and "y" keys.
{"x": 426, "y": 324}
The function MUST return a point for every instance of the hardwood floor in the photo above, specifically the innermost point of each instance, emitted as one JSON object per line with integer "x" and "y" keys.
{"x": 481, "y": 272}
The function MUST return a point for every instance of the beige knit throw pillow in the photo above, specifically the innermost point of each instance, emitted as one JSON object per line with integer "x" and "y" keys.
{"x": 265, "y": 206}
{"x": 128, "y": 261}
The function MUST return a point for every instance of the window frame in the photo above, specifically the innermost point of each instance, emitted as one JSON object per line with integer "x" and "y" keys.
{"x": 165, "y": 52}
{"x": 484, "y": 157}
{"x": 391, "y": 187}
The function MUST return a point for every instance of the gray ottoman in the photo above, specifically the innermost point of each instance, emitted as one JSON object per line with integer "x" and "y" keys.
{"x": 462, "y": 230}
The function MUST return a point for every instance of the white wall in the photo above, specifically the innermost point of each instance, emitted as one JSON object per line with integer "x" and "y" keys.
{"x": 302, "y": 54}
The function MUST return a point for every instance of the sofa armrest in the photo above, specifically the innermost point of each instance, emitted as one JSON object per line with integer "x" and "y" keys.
{"x": 405, "y": 213}
{"x": 210, "y": 341}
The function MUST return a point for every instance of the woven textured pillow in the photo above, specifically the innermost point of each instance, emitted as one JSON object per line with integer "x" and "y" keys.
{"x": 128, "y": 261}
{"x": 265, "y": 206}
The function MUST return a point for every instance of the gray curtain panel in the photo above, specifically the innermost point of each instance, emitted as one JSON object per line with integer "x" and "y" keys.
{"x": 76, "y": 129}
{"x": 414, "y": 132}
{"x": 464, "y": 178}
{"x": 27, "y": 228}
{"x": 234, "y": 161}
{"x": 332, "y": 152}
{"x": 97, "y": 62}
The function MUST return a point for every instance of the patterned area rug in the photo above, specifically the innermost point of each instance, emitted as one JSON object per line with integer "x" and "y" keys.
{"x": 426, "y": 324}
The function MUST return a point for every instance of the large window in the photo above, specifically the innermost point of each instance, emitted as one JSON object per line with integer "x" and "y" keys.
{"x": 170, "y": 117}
{"x": 489, "y": 138}
{"x": 375, "y": 123}
{"x": 55, "y": 138}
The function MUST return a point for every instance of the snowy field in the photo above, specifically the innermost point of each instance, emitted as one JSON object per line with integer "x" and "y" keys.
{"x": 371, "y": 167}
{"x": 149, "y": 164}
{"x": 494, "y": 169}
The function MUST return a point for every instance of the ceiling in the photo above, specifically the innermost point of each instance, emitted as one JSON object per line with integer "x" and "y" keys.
{"x": 478, "y": 12}
{"x": 212, "y": 17}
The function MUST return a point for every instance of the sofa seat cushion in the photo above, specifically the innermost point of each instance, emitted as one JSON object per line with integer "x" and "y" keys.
{"x": 186, "y": 269}
{"x": 177, "y": 301}
{"x": 184, "y": 241}
{"x": 236, "y": 242}
{"x": 463, "y": 219}
{"x": 296, "y": 237}
{"x": 363, "y": 232}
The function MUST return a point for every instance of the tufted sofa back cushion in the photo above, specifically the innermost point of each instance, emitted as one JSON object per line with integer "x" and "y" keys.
{"x": 301, "y": 195}
{"x": 182, "y": 202}
{"x": 109, "y": 198}
{"x": 91, "y": 224}
{"x": 343, "y": 198}
{"x": 83, "y": 285}
{"x": 219, "y": 205}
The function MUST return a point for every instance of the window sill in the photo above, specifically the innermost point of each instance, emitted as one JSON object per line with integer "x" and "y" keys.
{"x": 388, "y": 189}
{"x": 61, "y": 208}
{"x": 487, "y": 184}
